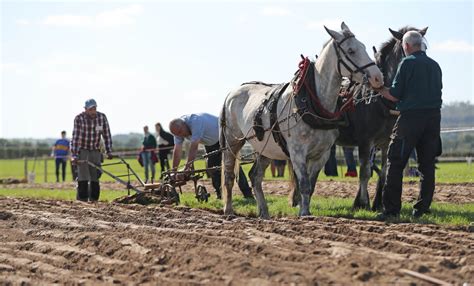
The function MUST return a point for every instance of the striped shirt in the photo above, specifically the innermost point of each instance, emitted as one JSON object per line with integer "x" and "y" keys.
{"x": 87, "y": 132}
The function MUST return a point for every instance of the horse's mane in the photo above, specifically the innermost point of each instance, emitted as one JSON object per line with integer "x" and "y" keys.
{"x": 387, "y": 47}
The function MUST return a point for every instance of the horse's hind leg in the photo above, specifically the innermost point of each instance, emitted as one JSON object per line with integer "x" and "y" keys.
{"x": 377, "y": 203}
{"x": 256, "y": 177}
{"x": 228, "y": 171}
{"x": 294, "y": 197}
{"x": 362, "y": 199}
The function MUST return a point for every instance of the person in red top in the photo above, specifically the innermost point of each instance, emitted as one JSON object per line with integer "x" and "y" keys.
{"x": 89, "y": 127}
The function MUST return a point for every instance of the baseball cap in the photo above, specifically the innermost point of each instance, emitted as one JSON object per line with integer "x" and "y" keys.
{"x": 90, "y": 103}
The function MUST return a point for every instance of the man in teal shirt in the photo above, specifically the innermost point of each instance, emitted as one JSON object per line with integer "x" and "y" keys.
{"x": 416, "y": 89}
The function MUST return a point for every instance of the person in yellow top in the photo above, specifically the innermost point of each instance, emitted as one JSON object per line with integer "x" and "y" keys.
{"x": 61, "y": 153}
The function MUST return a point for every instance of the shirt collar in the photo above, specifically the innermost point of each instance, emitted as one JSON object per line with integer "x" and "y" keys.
{"x": 419, "y": 53}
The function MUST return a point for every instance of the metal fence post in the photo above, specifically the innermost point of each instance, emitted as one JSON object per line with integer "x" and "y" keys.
{"x": 26, "y": 167}
{"x": 45, "y": 169}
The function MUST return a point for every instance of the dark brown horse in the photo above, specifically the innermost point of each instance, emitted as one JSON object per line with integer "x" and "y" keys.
{"x": 370, "y": 125}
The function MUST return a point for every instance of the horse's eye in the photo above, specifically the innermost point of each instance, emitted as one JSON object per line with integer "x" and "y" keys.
{"x": 350, "y": 51}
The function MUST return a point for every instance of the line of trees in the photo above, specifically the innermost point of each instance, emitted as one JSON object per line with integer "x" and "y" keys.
{"x": 457, "y": 114}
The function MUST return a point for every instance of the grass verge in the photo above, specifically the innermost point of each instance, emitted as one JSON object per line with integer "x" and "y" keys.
{"x": 441, "y": 213}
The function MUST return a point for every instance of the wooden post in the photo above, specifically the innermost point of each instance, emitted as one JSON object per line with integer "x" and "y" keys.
{"x": 26, "y": 168}
{"x": 45, "y": 169}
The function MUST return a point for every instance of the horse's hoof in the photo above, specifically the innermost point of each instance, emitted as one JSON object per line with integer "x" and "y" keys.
{"x": 229, "y": 212}
{"x": 360, "y": 206}
{"x": 264, "y": 216}
{"x": 230, "y": 217}
{"x": 377, "y": 208}
{"x": 294, "y": 203}
{"x": 304, "y": 213}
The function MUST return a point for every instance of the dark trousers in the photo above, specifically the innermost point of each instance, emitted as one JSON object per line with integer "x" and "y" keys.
{"x": 418, "y": 129}
{"x": 61, "y": 162}
{"x": 215, "y": 161}
{"x": 330, "y": 169}
{"x": 164, "y": 162}
{"x": 88, "y": 187}
{"x": 349, "y": 157}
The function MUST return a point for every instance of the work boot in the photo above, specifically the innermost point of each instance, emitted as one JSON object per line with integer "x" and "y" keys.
{"x": 82, "y": 191}
{"x": 352, "y": 174}
{"x": 419, "y": 213}
{"x": 95, "y": 191}
{"x": 387, "y": 216}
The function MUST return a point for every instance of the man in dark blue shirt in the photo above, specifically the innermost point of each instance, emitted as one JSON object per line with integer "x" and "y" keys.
{"x": 61, "y": 154}
{"x": 416, "y": 89}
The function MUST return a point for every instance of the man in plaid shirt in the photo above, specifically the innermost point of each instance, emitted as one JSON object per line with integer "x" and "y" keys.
{"x": 89, "y": 126}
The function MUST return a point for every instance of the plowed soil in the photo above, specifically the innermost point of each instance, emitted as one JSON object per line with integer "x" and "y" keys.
{"x": 48, "y": 241}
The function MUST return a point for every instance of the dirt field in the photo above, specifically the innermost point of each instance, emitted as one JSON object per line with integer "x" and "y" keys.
{"x": 45, "y": 241}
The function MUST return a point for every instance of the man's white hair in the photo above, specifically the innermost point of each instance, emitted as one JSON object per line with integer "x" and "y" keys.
{"x": 414, "y": 39}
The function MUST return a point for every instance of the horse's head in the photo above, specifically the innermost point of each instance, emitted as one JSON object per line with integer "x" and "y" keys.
{"x": 352, "y": 59}
{"x": 391, "y": 52}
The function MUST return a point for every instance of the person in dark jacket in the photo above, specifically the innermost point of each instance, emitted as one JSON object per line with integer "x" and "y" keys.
{"x": 165, "y": 145}
{"x": 416, "y": 89}
{"x": 148, "y": 155}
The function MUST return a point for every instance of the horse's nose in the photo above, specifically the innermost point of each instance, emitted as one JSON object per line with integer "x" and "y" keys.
{"x": 377, "y": 80}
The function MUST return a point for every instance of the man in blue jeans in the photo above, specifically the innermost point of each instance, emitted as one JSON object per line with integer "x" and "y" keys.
{"x": 203, "y": 128}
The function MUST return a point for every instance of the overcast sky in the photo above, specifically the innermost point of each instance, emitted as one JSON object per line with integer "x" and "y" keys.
{"x": 152, "y": 61}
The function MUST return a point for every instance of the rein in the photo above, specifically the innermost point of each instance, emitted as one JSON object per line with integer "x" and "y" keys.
{"x": 339, "y": 50}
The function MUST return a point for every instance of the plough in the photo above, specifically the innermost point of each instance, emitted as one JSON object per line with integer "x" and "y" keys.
{"x": 166, "y": 188}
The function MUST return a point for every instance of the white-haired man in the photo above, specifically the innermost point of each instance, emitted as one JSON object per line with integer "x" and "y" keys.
{"x": 416, "y": 89}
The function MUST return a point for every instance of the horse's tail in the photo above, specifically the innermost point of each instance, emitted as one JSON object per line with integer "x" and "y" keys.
{"x": 222, "y": 144}
{"x": 294, "y": 195}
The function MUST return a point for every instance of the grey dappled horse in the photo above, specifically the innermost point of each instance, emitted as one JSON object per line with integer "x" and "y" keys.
{"x": 370, "y": 125}
{"x": 306, "y": 147}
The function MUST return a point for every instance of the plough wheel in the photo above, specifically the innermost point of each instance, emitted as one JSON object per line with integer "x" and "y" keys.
{"x": 201, "y": 194}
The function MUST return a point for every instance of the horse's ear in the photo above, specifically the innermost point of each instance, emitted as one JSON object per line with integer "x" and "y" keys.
{"x": 344, "y": 27}
{"x": 397, "y": 35}
{"x": 374, "y": 49}
{"x": 335, "y": 35}
{"x": 423, "y": 31}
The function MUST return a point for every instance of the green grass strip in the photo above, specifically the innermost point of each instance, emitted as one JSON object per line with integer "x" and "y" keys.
{"x": 441, "y": 213}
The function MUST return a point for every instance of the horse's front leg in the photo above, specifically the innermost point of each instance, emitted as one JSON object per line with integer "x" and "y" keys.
{"x": 300, "y": 168}
{"x": 377, "y": 203}
{"x": 362, "y": 200}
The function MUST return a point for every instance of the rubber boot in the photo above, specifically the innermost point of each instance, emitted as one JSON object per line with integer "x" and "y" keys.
{"x": 82, "y": 191}
{"x": 95, "y": 191}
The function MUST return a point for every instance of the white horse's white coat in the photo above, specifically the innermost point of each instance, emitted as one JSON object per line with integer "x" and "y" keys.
{"x": 308, "y": 148}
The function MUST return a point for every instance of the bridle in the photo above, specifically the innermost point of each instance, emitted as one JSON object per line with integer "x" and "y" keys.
{"x": 339, "y": 50}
